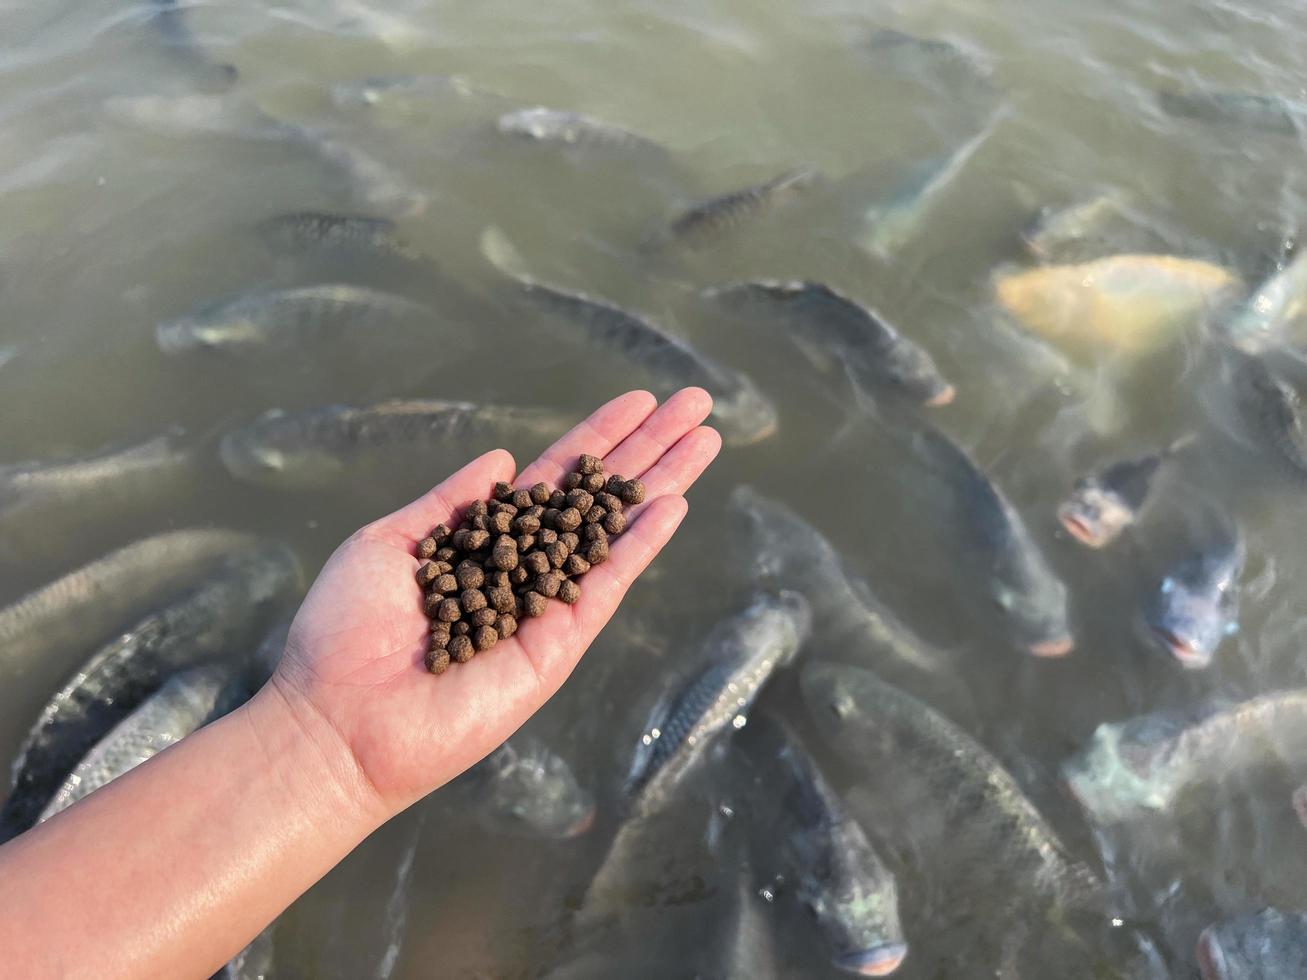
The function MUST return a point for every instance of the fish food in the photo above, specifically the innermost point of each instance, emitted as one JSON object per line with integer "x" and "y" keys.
{"x": 512, "y": 553}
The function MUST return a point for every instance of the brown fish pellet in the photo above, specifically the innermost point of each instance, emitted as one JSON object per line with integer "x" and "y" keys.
{"x": 568, "y": 520}
{"x": 593, "y": 483}
{"x": 470, "y": 575}
{"x": 485, "y": 637}
{"x": 546, "y": 536}
{"x": 525, "y": 542}
{"x": 569, "y": 541}
{"x": 596, "y": 552}
{"x": 632, "y": 492}
{"x": 499, "y": 523}
{"x": 503, "y": 491}
{"x": 437, "y": 660}
{"x": 609, "y": 501}
{"x": 484, "y": 617}
{"x": 446, "y": 555}
{"x": 534, "y": 604}
{"x": 504, "y": 553}
{"x": 537, "y": 563}
{"x": 431, "y": 603}
{"x": 575, "y": 565}
{"x": 519, "y": 575}
{"x": 595, "y": 514}
{"x": 442, "y": 567}
{"x": 438, "y": 641}
{"x": 440, "y": 533}
{"x": 445, "y": 584}
{"x": 501, "y": 600}
{"x": 540, "y": 493}
{"x": 588, "y": 464}
{"x": 458, "y": 540}
{"x": 556, "y": 554}
{"x": 477, "y": 508}
{"x": 448, "y": 611}
{"x": 476, "y": 540}
{"x": 581, "y": 500}
{"x": 569, "y": 592}
{"x": 461, "y": 649}
{"x": 522, "y": 499}
{"x": 428, "y": 573}
{"x": 550, "y": 518}
{"x": 592, "y": 532}
{"x": 461, "y": 628}
{"x": 472, "y": 600}
{"x": 572, "y": 481}
{"x": 526, "y": 524}
{"x": 506, "y": 626}
{"x": 480, "y": 523}
{"x": 615, "y": 522}
{"x": 557, "y": 500}
{"x": 548, "y": 583}
{"x": 427, "y": 548}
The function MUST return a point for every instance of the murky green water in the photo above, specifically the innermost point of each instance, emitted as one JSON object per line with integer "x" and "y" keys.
{"x": 133, "y": 175}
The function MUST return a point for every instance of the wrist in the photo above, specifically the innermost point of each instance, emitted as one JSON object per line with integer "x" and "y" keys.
{"x": 312, "y": 761}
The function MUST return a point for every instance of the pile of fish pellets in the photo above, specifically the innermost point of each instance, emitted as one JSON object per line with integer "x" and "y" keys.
{"x": 513, "y": 553}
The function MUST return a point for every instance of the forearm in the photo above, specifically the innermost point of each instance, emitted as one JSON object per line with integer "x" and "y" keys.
{"x": 174, "y": 867}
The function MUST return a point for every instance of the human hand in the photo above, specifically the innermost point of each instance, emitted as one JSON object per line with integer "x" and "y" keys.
{"x": 353, "y": 671}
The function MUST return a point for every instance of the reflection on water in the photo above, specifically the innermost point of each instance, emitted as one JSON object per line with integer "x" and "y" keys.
{"x": 278, "y": 268}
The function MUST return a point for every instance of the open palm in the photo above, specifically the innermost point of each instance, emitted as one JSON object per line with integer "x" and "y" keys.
{"x": 356, "y": 648}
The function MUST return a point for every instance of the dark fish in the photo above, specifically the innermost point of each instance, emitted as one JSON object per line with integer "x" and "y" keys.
{"x": 1272, "y": 407}
{"x": 284, "y": 320}
{"x": 226, "y": 612}
{"x": 1143, "y": 765}
{"x": 835, "y": 871}
{"x": 169, "y": 19}
{"x": 784, "y": 548}
{"x": 995, "y": 540}
{"x": 325, "y": 231}
{"x": 1105, "y": 502}
{"x": 315, "y": 447}
{"x": 1196, "y": 604}
{"x": 703, "y": 222}
{"x": 526, "y": 789}
{"x": 838, "y": 335}
{"x": 1267, "y": 946}
{"x": 184, "y": 703}
{"x": 573, "y": 129}
{"x": 742, "y": 413}
{"x": 992, "y": 829}
{"x": 1267, "y": 112}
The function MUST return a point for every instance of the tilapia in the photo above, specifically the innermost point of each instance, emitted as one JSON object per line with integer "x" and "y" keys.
{"x": 1266, "y": 112}
{"x": 833, "y": 868}
{"x": 524, "y": 788}
{"x": 86, "y": 604}
{"x": 1266, "y": 318}
{"x": 1270, "y": 405}
{"x": 1103, "y": 224}
{"x": 1143, "y": 765}
{"x": 225, "y": 614}
{"x": 991, "y": 829}
{"x": 1196, "y": 604}
{"x": 743, "y": 414}
{"x": 993, "y": 540}
{"x": 556, "y": 126}
{"x": 309, "y": 232}
{"x": 287, "y": 320}
{"x": 1122, "y": 304}
{"x": 314, "y": 447}
{"x": 784, "y": 548}
{"x": 1105, "y": 502}
{"x": 703, "y": 223}
{"x": 839, "y": 335}
{"x": 184, "y": 703}
{"x": 1268, "y": 945}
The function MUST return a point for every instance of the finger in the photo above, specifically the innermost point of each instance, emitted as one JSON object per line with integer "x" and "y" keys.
{"x": 664, "y": 429}
{"x": 680, "y": 466}
{"x": 442, "y": 503}
{"x": 597, "y": 435}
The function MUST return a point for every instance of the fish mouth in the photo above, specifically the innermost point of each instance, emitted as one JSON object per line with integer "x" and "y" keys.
{"x": 1081, "y": 531}
{"x": 1211, "y": 961}
{"x": 1058, "y": 646}
{"x": 879, "y": 961}
{"x": 1186, "y": 652}
{"x": 944, "y": 396}
{"x": 583, "y": 825}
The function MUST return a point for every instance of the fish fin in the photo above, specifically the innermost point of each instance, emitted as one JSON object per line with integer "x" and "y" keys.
{"x": 500, "y": 252}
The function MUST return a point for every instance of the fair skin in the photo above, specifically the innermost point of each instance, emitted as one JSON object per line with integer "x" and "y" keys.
{"x": 174, "y": 867}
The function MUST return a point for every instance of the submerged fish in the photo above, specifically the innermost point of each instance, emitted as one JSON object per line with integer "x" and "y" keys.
{"x": 905, "y": 50}
{"x": 1264, "y": 320}
{"x": 995, "y": 541}
{"x": 314, "y": 447}
{"x": 1272, "y": 407}
{"x": 184, "y": 703}
{"x": 742, "y": 413}
{"x": 287, "y": 320}
{"x": 380, "y": 90}
{"x": 86, "y": 604}
{"x": 837, "y": 334}
{"x": 706, "y": 221}
{"x": 786, "y": 548}
{"x": 169, "y": 20}
{"x": 524, "y": 788}
{"x": 1105, "y": 502}
{"x": 326, "y": 231}
{"x": 1143, "y": 765}
{"x": 1127, "y": 304}
{"x": 1269, "y": 945}
{"x": 226, "y": 612}
{"x": 1196, "y": 604}
{"x": 373, "y": 183}
{"x": 835, "y": 871}
{"x": 991, "y": 828}
{"x": 544, "y": 125}
{"x": 1097, "y": 226}
{"x": 1268, "y": 112}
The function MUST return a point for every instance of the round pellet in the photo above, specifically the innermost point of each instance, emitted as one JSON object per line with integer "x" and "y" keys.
{"x": 569, "y": 592}
{"x": 437, "y": 661}
{"x": 506, "y": 626}
{"x": 534, "y": 604}
{"x": 472, "y": 600}
{"x": 485, "y": 637}
{"x": 632, "y": 492}
{"x": 614, "y": 522}
{"x": 449, "y": 611}
{"x": 461, "y": 649}
{"x": 427, "y": 548}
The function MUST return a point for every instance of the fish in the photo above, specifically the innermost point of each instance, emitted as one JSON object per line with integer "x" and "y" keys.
{"x": 373, "y": 183}
{"x": 1268, "y": 944}
{"x": 1272, "y": 408}
{"x": 198, "y": 113}
{"x": 834, "y": 870}
{"x": 783, "y": 547}
{"x": 525, "y": 789}
{"x": 1105, "y": 502}
{"x": 702, "y": 223}
{"x": 742, "y": 413}
{"x": 308, "y": 232}
{"x": 555, "y": 126}
{"x": 381, "y": 90}
{"x": 991, "y": 827}
{"x": 184, "y": 703}
{"x": 1264, "y": 321}
{"x": 315, "y": 447}
{"x": 1195, "y": 606}
{"x": 903, "y": 50}
{"x": 225, "y": 613}
{"x": 170, "y": 22}
{"x": 1104, "y": 223}
{"x": 285, "y": 320}
{"x": 254, "y": 962}
{"x": 993, "y": 539}
{"x": 1121, "y": 304}
{"x": 87, "y": 604}
{"x": 1142, "y": 766}
{"x": 1265, "y": 112}
{"x": 838, "y": 334}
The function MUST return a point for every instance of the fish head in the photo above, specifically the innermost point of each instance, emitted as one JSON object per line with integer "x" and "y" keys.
{"x": 744, "y": 415}
{"x": 1094, "y": 515}
{"x": 532, "y": 792}
{"x": 858, "y": 918}
{"x": 1037, "y": 609}
{"x": 913, "y": 370}
{"x": 1123, "y": 774}
{"x": 1269, "y": 944}
{"x": 1190, "y": 616}
{"x": 266, "y": 454}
